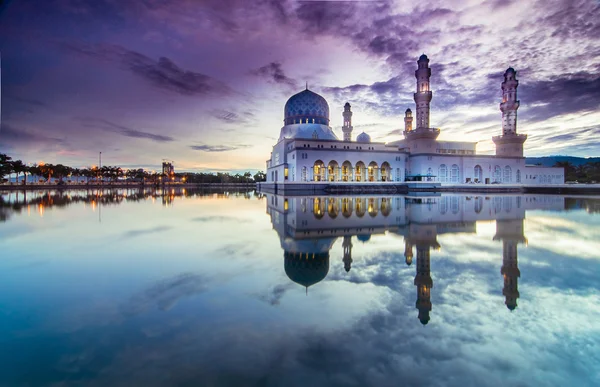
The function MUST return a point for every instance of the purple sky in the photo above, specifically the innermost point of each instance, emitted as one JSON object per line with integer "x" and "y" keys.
{"x": 204, "y": 82}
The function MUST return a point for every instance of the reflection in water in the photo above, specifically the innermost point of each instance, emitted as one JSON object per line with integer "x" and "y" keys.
{"x": 308, "y": 236}
{"x": 12, "y": 202}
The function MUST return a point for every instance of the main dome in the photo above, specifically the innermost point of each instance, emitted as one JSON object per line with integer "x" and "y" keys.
{"x": 306, "y": 107}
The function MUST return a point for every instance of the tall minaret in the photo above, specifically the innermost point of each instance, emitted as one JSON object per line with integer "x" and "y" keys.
{"x": 347, "y": 128}
{"x": 423, "y": 282}
{"x": 510, "y": 232}
{"x": 509, "y": 144}
{"x": 347, "y": 245}
{"x": 423, "y": 95}
{"x": 408, "y": 118}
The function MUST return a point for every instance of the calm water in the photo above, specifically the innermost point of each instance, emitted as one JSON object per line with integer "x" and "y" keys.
{"x": 128, "y": 288}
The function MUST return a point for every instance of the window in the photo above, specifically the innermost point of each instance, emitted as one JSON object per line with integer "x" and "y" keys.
{"x": 497, "y": 174}
{"x": 454, "y": 174}
{"x": 285, "y": 173}
{"x": 518, "y": 175}
{"x": 507, "y": 174}
{"x": 443, "y": 173}
{"x": 478, "y": 174}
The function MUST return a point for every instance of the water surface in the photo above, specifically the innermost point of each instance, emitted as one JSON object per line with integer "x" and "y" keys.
{"x": 189, "y": 288}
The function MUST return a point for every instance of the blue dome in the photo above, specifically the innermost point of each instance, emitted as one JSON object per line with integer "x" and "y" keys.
{"x": 306, "y": 269}
{"x": 423, "y": 57}
{"x": 364, "y": 237}
{"x": 363, "y": 137}
{"x": 306, "y": 107}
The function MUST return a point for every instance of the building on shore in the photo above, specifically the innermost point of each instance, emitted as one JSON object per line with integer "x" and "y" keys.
{"x": 308, "y": 150}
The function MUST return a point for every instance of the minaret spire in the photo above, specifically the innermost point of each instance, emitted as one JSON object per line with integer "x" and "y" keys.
{"x": 347, "y": 127}
{"x": 423, "y": 95}
{"x": 509, "y": 144}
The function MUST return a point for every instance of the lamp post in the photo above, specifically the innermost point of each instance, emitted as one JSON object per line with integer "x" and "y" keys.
{"x": 100, "y": 165}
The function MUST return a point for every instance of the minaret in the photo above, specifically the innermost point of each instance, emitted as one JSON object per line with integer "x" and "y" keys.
{"x": 347, "y": 128}
{"x": 408, "y": 119}
{"x": 347, "y": 245}
{"x": 408, "y": 252}
{"x": 509, "y": 144}
{"x": 423, "y": 95}
{"x": 423, "y": 282}
{"x": 510, "y": 232}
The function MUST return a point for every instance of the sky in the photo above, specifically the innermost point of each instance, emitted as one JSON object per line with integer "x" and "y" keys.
{"x": 203, "y": 83}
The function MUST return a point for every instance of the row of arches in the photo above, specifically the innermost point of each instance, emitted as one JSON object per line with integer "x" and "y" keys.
{"x": 347, "y": 206}
{"x": 360, "y": 172}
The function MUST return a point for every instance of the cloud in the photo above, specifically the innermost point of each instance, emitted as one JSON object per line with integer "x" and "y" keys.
{"x": 166, "y": 293}
{"x": 164, "y": 73}
{"x": 11, "y": 136}
{"x": 217, "y": 148}
{"x": 274, "y": 72}
{"x": 136, "y": 233}
{"x": 122, "y": 130}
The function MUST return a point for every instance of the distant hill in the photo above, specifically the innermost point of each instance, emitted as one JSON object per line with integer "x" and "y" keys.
{"x": 549, "y": 161}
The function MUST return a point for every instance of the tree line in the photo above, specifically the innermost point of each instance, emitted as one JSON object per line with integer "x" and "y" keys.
{"x": 584, "y": 173}
{"x": 60, "y": 172}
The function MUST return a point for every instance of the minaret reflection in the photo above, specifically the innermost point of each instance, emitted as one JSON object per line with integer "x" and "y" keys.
{"x": 510, "y": 232}
{"x": 424, "y": 237}
{"x": 347, "y": 246}
{"x": 408, "y": 252}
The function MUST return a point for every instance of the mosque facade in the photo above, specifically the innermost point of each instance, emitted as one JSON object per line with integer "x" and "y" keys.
{"x": 308, "y": 150}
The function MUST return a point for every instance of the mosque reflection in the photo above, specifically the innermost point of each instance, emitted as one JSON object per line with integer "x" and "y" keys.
{"x": 309, "y": 226}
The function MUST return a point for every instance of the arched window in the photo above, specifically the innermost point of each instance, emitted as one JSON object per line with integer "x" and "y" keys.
{"x": 478, "y": 174}
{"x": 478, "y": 204}
{"x": 518, "y": 175}
{"x": 507, "y": 174}
{"x": 443, "y": 172}
{"x": 454, "y": 174}
{"x": 303, "y": 173}
{"x": 497, "y": 174}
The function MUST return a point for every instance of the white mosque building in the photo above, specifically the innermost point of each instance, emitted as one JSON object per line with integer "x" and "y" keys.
{"x": 309, "y": 152}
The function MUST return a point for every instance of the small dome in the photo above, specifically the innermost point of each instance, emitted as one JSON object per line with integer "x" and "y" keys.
{"x": 306, "y": 269}
{"x": 363, "y": 137}
{"x": 510, "y": 70}
{"x": 423, "y": 57}
{"x": 347, "y": 104}
{"x": 306, "y": 107}
{"x": 408, "y": 111}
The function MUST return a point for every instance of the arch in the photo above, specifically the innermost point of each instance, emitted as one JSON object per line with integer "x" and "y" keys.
{"x": 361, "y": 207}
{"x": 478, "y": 176}
{"x": 318, "y": 171}
{"x": 346, "y": 171}
{"x": 429, "y": 173}
{"x": 497, "y": 174}
{"x": 507, "y": 174}
{"x": 318, "y": 208}
{"x": 359, "y": 171}
{"x": 333, "y": 171}
{"x": 443, "y": 173}
{"x": 373, "y": 207}
{"x": 332, "y": 207}
{"x": 518, "y": 175}
{"x": 347, "y": 207}
{"x": 386, "y": 206}
{"x": 304, "y": 173}
{"x": 455, "y": 173}
{"x": 385, "y": 171}
{"x": 373, "y": 171}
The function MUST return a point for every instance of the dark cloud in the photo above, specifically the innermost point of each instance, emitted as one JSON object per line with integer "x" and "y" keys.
{"x": 274, "y": 72}
{"x": 162, "y": 73}
{"x": 206, "y": 219}
{"x": 108, "y": 126}
{"x": 273, "y": 296}
{"x": 217, "y": 148}
{"x": 570, "y": 93}
{"x": 11, "y": 135}
{"x": 230, "y": 117}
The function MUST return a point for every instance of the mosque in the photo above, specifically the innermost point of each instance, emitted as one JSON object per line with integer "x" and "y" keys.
{"x": 309, "y": 227}
{"x": 309, "y": 152}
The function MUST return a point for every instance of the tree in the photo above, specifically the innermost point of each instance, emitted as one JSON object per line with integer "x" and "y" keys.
{"x": 260, "y": 176}
{"x": 6, "y": 167}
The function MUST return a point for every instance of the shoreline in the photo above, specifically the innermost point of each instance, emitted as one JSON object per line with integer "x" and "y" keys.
{"x": 34, "y": 187}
